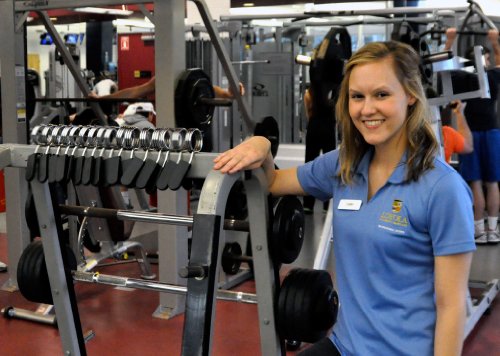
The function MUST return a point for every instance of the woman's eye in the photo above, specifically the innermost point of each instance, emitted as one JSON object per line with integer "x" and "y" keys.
{"x": 356, "y": 96}
{"x": 382, "y": 94}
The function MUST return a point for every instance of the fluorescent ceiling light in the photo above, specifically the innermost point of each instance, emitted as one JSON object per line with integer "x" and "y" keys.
{"x": 103, "y": 10}
{"x": 133, "y": 23}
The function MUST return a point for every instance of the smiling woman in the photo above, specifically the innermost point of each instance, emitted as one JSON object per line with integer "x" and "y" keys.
{"x": 402, "y": 256}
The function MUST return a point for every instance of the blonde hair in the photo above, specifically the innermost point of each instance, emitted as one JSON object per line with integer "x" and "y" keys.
{"x": 422, "y": 143}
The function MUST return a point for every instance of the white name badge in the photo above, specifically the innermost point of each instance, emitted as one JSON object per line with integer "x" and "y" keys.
{"x": 349, "y": 204}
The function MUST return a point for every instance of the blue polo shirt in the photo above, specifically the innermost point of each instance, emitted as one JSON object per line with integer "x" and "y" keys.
{"x": 384, "y": 252}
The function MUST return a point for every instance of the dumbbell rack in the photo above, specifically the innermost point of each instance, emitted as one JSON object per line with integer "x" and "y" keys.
{"x": 206, "y": 251}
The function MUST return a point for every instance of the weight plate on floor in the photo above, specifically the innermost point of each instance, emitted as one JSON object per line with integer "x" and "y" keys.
{"x": 32, "y": 276}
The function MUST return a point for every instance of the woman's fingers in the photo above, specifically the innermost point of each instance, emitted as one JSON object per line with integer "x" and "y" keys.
{"x": 233, "y": 161}
{"x": 248, "y": 155}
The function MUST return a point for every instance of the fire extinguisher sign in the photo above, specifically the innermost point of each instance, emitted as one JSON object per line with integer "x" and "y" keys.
{"x": 125, "y": 43}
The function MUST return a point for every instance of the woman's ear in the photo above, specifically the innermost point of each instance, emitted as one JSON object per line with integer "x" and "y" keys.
{"x": 411, "y": 100}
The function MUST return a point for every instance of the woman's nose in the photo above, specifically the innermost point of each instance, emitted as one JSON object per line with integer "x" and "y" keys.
{"x": 368, "y": 107}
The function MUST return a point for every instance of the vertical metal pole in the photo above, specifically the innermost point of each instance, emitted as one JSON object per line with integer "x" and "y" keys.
{"x": 198, "y": 321}
{"x": 61, "y": 283}
{"x": 206, "y": 242}
{"x": 265, "y": 281}
{"x": 12, "y": 68}
{"x": 170, "y": 61}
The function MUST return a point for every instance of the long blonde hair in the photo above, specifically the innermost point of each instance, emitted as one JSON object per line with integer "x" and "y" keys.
{"x": 422, "y": 143}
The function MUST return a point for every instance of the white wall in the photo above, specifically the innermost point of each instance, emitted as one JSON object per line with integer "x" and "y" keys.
{"x": 34, "y": 46}
{"x": 215, "y": 7}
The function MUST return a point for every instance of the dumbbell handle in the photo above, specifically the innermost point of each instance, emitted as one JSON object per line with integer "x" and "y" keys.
{"x": 239, "y": 258}
{"x": 215, "y": 101}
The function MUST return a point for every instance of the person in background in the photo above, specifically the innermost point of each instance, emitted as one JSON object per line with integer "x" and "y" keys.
{"x": 402, "y": 256}
{"x": 319, "y": 102}
{"x": 148, "y": 89}
{"x": 460, "y": 140}
{"x": 105, "y": 86}
{"x": 481, "y": 168}
{"x": 140, "y": 115}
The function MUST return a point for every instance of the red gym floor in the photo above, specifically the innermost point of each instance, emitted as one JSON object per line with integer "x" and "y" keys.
{"x": 123, "y": 325}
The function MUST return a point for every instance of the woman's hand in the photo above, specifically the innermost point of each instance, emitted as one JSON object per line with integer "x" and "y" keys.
{"x": 250, "y": 154}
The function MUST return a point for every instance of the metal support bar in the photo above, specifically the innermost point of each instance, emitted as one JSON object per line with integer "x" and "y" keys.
{"x": 200, "y": 302}
{"x": 374, "y": 12}
{"x": 68, "y": 60}
{"x": 146, "y": 13}
{"x": 24, "y": 314}
{"x": 63, "y": 292}
{"x": 475, "y": 9}
{"x": 266, "y": 278}
{"x": 21, "y": 20}
{"x": 369, "y": 21}
{"x": 65, "y": 4}
{"x": 119, "y": 281}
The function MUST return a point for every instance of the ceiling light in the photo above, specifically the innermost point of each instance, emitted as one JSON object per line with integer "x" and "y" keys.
{"x": 248, "y": 4}
{"x": 104, "y": 11}
{"x": 133, "y": 23}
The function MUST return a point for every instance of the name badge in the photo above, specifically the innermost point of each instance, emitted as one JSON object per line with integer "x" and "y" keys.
{"x": 349, "y": 204}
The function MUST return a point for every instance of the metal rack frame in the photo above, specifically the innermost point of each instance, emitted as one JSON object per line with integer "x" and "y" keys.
{"x": 207, "y": 237}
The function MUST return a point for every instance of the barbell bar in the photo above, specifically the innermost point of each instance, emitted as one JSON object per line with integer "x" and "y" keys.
{"x": 149, "y": 217}
{"x": 117, "y": 281}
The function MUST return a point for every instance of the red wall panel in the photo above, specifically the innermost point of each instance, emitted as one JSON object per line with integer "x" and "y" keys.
{"x": 136, "y": 60}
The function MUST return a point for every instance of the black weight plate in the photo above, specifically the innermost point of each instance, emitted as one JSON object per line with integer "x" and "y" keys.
{"x": 294, "y": 295}
{"x": 230, "y": 265}
{"x": 236, "y": 205}
{"x": 32, "y": 277}
{"x": 326, "y": 306}
{"x": 288, "y": 229}
{"x": 191, "y": 84}
{"x": 304, "y": 306}
{"x": 284, "y": 296}
{"x": 40, "y": 277}
{"x": 269, "y": 129}
{"x": 313, "y": 323}
{"x": 31, "y": 216}
{"x": 201, "y": 113}
{"x": 23, "y": 269}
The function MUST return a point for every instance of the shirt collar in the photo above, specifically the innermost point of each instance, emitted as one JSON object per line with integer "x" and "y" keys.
{"x": 397, "y": 177}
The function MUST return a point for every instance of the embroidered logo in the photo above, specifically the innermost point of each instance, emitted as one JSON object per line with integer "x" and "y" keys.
{"x": 396, "y": 206}
{"x": 393, "y": 218}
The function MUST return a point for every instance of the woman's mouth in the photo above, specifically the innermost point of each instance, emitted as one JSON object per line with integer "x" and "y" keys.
{"x": 372, "y": 123}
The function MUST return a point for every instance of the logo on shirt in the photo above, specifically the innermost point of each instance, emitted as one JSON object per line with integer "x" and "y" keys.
{"x": 396, "y": 206}
{"x": 393, "y": 217}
